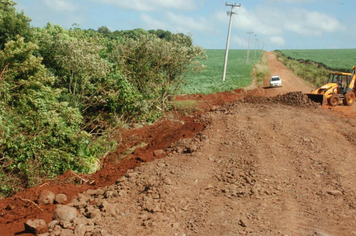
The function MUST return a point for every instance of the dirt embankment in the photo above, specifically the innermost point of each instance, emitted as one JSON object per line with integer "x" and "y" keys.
{"x": 263, "y": 165}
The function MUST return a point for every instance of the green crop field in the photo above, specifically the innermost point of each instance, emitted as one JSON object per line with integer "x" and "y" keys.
{"x": 334, "y": 59}
{"x": 209, "y": 79}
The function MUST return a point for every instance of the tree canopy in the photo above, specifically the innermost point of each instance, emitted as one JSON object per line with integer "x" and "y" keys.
{"x": 12, "y": 23}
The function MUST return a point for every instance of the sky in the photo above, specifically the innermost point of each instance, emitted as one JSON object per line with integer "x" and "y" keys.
{"x": 262, "y": 24}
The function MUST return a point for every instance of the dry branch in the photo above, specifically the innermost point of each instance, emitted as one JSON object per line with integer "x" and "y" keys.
{"x": 27, "y": 200}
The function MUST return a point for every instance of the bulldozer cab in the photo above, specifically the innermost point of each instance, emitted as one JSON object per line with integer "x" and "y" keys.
{"x": 342, "y": 80}
{"x": 339, "y": 79}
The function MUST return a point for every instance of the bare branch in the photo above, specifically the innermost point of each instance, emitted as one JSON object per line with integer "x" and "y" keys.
{"x": 3, "y": 71}
{"x": 27, "y": 200}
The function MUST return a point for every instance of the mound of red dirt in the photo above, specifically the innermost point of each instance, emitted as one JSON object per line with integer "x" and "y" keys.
{"x": 296, "y": 99}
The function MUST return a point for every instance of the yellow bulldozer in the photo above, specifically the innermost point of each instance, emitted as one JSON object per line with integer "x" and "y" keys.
{"x": 340, "y": 88}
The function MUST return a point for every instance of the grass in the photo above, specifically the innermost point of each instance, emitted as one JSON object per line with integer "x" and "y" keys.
{"x": 314, "y": 74}
{"x": 261, "y": 70}
{"x": 334, "y": 59}
{"x": 208, "y": 79}
{"x": 185, "y": 105}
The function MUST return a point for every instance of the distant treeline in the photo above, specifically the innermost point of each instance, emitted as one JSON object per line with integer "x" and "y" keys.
{"x": 136, "y": 33}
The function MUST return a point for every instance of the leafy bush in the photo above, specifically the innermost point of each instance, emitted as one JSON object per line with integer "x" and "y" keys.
{"x": 40, "y": 136}
{"x": 63, "y": 92}
{"x": 76, "y": 63}
{"x": 154, "y": 67}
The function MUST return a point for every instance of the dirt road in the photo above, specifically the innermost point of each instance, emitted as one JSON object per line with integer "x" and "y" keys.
{"x": 254, "y": 167}
{"x": 291, "y": 82}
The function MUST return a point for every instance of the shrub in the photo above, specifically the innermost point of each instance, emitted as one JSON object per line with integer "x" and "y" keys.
{"x": 154, "y": 68}
{"x": 40, "y": 136}
{"x": 261, "y": 70}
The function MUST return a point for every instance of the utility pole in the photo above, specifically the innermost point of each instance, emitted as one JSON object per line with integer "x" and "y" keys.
{"x": 248, "y": 47}
{"x": 228, "y": 35}
{"x": 256, "y": 43}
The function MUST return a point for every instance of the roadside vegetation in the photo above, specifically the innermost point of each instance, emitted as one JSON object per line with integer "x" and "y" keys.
{"x": 206, "y": 74}
{"x": 334, "y": 59}
{"x": 315, "y": 65}
{"x": 64, "y": 92}
{"x": 261, "y": 70}
{"x": 314, "y": 73}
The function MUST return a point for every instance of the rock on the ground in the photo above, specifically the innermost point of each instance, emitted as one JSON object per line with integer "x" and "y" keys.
{"x": 65, "y": 213}
{"x": 46, "y": 197}
{"x": 61, "y": 198}
{"x": 36, "y": 227}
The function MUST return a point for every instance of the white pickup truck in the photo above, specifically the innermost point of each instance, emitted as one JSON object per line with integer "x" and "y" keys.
{"x": 275, "y": 81}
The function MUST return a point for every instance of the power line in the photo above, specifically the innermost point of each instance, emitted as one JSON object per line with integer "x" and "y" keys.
{"x": 231, "y": 13}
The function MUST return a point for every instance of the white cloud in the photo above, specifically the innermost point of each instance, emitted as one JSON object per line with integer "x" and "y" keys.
{"x": 300, "y": 28}
{"x": 277, "y": 40}
{"x": 237, "y": 40}
{"x": 151, "y": 5}
{"x": 188, "y": 23}
{"x": 60, "y": 5}
{"x": 270, "y": 21}
{"x": 311, "y": 23}
{"x": 323, "y": 21}
{"x": 176, "y": 23}
{"x": 256, "y": 22}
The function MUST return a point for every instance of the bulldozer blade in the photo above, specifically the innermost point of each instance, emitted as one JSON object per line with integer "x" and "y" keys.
{"x": 318, "y": 98}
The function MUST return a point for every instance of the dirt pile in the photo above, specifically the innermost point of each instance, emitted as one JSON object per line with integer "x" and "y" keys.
{"x": 297, "y": 99}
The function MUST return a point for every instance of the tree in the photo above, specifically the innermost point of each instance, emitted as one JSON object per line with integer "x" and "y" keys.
{"x": 135, "y": 34}
{"x": 162, "y": 34}
{"x": 154, "y": 66}
{"x": 104, "y": 30}
{"x": 74, "y": 56}
{"x": 12, "y": 23}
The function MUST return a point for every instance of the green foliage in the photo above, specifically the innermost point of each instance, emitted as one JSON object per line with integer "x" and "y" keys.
{"x": 162, "y": 34}
{"x": 311, "y": 72}
{"x": 154, "y": 67}
{"x": 333, "y": 59}
{"x": 206, "y": 78}
{"x": 104, "y": 30}
{"x": 261, "y": 70}
{"x": 40, "y": 136}
{"x": 135, "y": 34}
{"x": 64, "y": 91}
{"x": 12, "y": 23}
{"x": 186, "y": 106}
{"x": 77, "y": 64}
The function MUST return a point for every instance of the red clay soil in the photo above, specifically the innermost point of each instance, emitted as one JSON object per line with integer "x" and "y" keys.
{"x": 16, "y": 210}
{"x": 151, "y": 142}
